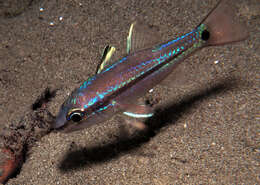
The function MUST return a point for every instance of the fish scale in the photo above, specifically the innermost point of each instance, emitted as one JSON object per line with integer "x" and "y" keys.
{"x": 164, "y": 53}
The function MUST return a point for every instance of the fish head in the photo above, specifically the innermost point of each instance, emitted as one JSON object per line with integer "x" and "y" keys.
{"x": 71, "y": 114}
{"x": 69, "y": 120}
{"x": 79, "y": 112}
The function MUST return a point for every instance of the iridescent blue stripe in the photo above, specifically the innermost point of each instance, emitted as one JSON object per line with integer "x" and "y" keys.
{"x": 113, "y": 65}
{"x": 174, "y": 41}
{"x": 157, "y": 61}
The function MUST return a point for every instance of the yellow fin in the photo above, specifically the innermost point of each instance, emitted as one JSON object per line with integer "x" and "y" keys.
{"x": 106, "y": 57}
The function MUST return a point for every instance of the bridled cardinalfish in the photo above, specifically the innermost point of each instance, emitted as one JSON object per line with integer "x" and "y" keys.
{"x": 115, "y": 88}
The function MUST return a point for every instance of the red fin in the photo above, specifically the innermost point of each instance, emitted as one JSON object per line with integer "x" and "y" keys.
{"x": 223, "y": 25}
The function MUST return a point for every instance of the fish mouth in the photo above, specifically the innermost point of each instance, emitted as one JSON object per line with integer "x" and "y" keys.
{"x": 62, "y": 124}
{"x": 67, "y": 127}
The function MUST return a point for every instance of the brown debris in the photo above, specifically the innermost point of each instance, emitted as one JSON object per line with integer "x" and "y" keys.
{"x": 8, "y": 164}
{"x": 16, "y": 139}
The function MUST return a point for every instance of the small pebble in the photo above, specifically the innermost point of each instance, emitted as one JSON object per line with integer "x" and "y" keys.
{"x": 60, "y": 18}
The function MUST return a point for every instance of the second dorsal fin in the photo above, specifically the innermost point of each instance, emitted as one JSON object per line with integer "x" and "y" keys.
{"x": 141, "y": 36}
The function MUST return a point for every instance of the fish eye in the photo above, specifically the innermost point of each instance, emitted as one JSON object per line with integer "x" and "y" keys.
{"x": 75, "y": 116}
{"x": 205, "y": 35}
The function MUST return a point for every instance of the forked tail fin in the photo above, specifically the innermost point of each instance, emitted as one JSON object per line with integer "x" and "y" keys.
{"x": 223, "y": 26}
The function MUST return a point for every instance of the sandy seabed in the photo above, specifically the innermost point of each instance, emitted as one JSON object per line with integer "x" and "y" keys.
{"x": 208, "y": 132}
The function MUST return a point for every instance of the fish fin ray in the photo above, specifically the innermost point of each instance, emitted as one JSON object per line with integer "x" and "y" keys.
{"x": 223, "y": 25}
{"x": 141, "y": 36}
{"x": 106, "y": 58}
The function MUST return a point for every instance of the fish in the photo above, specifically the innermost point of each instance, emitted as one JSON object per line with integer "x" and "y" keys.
{"x": 116, "y": 87}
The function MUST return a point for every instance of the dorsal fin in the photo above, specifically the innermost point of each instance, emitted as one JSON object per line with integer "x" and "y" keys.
{"x": 141, "y": 36}
{"x": 106, "y": 57}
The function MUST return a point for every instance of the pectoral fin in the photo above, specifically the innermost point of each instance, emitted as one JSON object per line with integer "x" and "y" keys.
{"x": 106, "y": 57}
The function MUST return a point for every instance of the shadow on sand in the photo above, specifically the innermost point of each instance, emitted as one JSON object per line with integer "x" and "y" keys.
{"x": 169, "y": 114}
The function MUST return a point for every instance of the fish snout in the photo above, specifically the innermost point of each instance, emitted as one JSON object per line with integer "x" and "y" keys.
{"x": 60, "y": 120}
